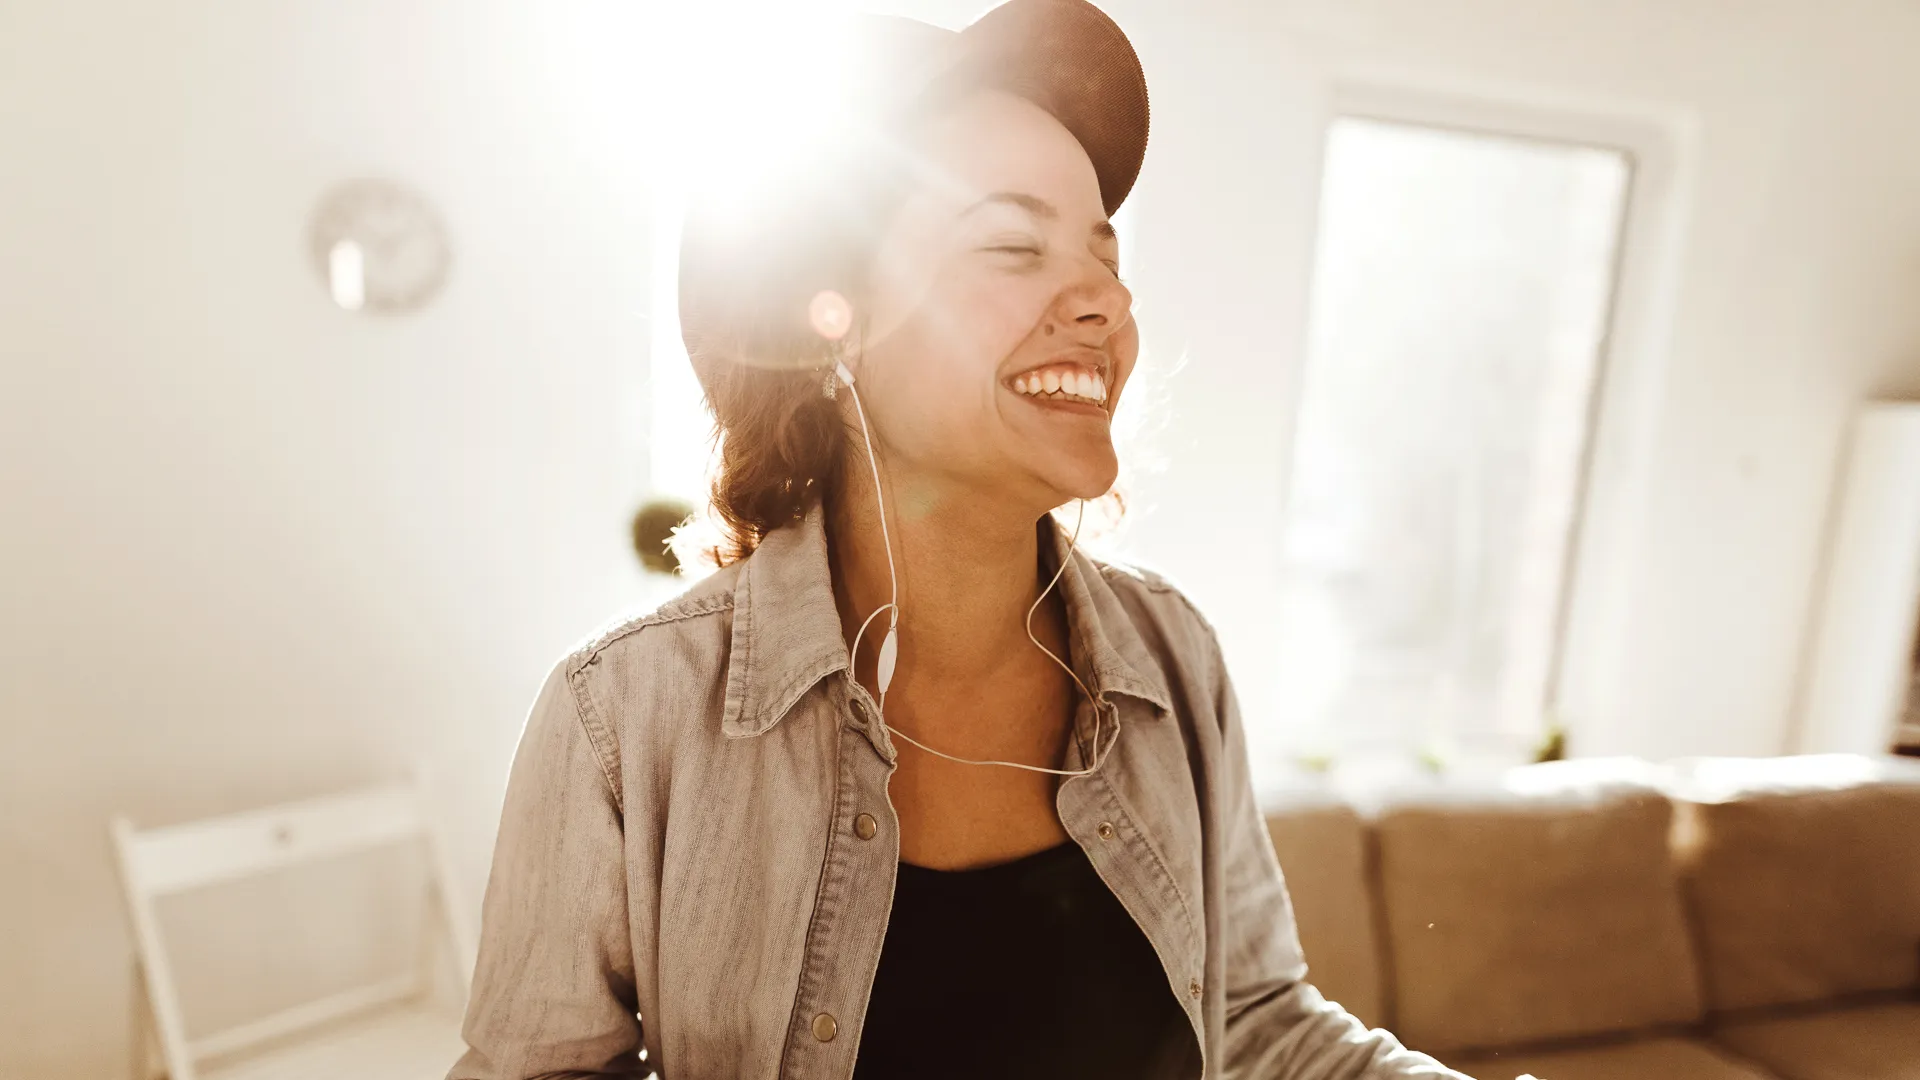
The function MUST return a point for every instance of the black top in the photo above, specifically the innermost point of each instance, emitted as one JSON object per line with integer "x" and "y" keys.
{"x": 1026, "y": 969}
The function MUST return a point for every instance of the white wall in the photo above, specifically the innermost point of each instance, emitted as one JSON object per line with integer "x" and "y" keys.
{"x": 255, "y": 548}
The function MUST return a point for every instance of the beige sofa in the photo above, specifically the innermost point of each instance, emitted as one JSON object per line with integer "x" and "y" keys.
{"x": 1719, "y": 919}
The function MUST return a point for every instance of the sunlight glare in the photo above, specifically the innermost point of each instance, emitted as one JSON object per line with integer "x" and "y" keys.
{"x": 732, "y": 84}
{"x": 743, "y": 82}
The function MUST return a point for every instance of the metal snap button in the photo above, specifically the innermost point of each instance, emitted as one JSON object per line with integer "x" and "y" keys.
{"x": 1106, "y": 830}
{"x": 864, "y": 826}
{"x": 824, "y": 1028}
{"x": 1193, "y": 987}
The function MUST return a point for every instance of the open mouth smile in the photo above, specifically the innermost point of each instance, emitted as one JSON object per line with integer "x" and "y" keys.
{"x": 1062, "y": 383}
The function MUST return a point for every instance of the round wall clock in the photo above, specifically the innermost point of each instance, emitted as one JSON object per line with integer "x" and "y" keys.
{"x": 379, "y": 247}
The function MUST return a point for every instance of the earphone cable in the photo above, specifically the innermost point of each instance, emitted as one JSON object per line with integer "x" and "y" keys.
{"x": 893, "y": 608}
{"x": 892, "y": 605}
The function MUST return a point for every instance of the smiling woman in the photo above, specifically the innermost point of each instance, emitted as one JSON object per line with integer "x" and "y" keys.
{"x": 952, "y": 257}
{"x": 1015, "y": 832}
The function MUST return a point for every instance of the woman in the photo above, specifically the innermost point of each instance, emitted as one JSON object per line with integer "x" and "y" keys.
{"x": 1017, "y": 835}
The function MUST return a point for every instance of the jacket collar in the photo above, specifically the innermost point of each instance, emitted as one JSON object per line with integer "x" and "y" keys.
{"x": 787, "y": 637}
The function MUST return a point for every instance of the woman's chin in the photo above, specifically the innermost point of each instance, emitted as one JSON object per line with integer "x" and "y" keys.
{"x": 1084, "y": 476}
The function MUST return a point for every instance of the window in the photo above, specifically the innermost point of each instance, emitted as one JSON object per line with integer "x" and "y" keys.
{"x": 1462, "y": 286}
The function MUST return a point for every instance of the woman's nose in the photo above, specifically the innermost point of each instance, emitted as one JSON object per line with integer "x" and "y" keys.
{"x": 1098, "y": 301}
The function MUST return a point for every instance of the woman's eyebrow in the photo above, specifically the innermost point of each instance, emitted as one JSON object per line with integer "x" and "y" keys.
{"x": 1032, "y": 204}
{"x": 1040, "y": 208}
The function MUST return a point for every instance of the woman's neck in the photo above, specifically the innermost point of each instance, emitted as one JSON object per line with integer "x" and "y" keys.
{"x": 968, "y": 572}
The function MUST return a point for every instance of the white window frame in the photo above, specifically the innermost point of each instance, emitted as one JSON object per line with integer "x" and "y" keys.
{"x": 1586, "y": 684}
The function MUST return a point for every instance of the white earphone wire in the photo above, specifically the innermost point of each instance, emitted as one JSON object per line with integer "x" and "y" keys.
{"x": 884, "y": 673}
{"x": 893, "y": 580}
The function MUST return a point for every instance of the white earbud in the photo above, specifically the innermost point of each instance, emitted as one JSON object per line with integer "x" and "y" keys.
{"x": 831, "y": 317}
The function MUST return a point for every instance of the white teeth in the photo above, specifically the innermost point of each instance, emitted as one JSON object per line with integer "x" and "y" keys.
{"x": 1071, "y": 382}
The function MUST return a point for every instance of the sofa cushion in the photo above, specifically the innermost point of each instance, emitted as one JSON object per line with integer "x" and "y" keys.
{"x": 1541, "y": 908}
{"x": 1640, "y": 1059}
{"x": 1862, "y": 1042}
{"x": 1801, "y": 874}
{"x": 1322, "y": 846}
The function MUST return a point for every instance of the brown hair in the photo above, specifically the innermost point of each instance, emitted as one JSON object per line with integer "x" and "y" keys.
{"x": 745, "y": 287}
{"x": 779, "y": 443}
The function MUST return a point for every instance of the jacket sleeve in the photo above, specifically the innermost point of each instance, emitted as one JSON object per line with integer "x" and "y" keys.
{"x": 1278, "y": 1026}
{"x": 553, "y": 986}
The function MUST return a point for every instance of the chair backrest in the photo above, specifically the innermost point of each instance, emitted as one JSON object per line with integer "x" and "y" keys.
{"x": 155, "y": 863}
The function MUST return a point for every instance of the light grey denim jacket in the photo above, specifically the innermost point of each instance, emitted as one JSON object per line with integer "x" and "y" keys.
{"x": 679, "y": 842}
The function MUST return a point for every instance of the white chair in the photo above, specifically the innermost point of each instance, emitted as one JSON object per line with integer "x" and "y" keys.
{"x": 390, "y": 1030}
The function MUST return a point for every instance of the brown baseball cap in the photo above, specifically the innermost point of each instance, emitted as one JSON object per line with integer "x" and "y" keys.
{"x": 1065, "y": 56}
